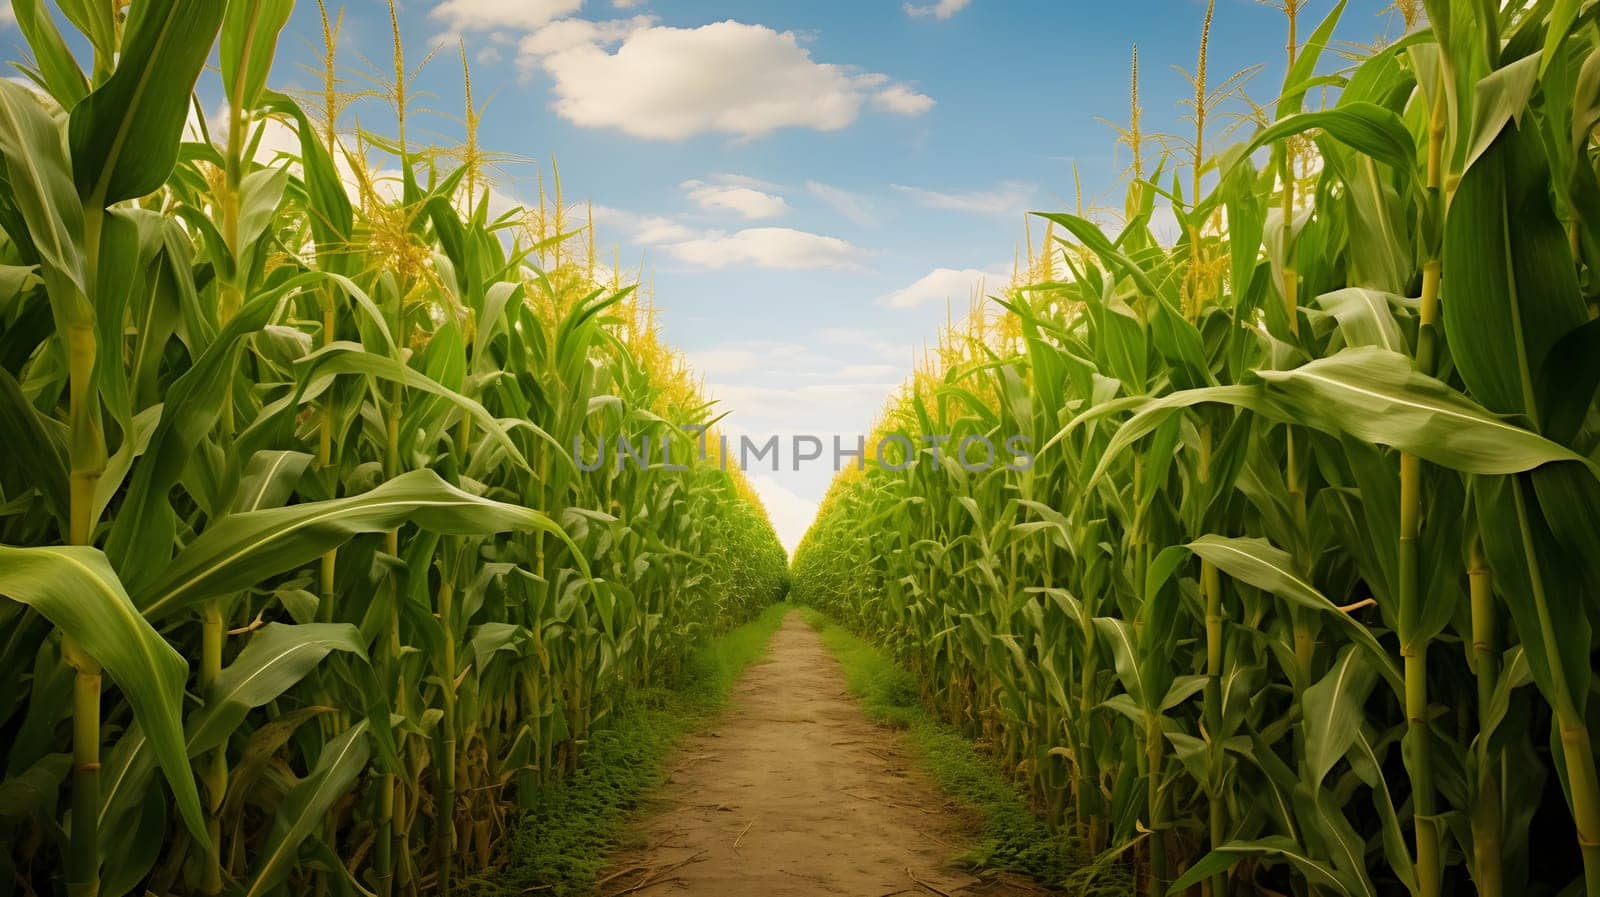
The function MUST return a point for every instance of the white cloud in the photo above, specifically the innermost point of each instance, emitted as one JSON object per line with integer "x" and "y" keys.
{"x": 489, "y": 55}
{"x": 8, "y": 16}
{"x": 1012, "y": 197}
{"x": 627, "y": 4}
{"x": 644, "y": 230}
{"x": 767, "y": 247}
{"x": 569, "y": 34}
{"x": 853, "y": 206}
{"x": 733, "y": 196}
{"x": 941, "y": 10}
{"x": 942, "y": 284}
{"x": 729, "y": 78}
{"x": 490, "y": 15}
{"x": 790, "y": 513}
{"x": 902, "y": 100}
{"x": 759, "y": 247}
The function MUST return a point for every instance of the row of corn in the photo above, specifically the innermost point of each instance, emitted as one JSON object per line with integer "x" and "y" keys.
{"x": 1298, "y": 593}
{"x": 311, "y": 572}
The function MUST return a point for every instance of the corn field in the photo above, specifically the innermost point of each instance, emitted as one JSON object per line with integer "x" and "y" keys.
{"x": 1297, "y": 594}
{"x": 307, "y": 588}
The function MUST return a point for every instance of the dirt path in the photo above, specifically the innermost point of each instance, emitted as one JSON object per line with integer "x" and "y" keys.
{"x": 795, "y": 793}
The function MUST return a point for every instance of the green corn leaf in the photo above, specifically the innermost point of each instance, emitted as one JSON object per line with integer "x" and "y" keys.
{"x": 57, "y": 68}
{"x": 1367, "y": 128}
{"x": 1259, "y": 563}
{"x": 1095, "y": 240}
{"x": 238, "y": 551}
{"x": 32, "y": 793}
{"x": 95, "y": 21}
{"x": 1514, "y": 291}
{"x": 349, "y": 358}
{"x": 1364, "y": 761}
{"x": 249, "y": 41}
{"x": 277, "y": 657}
{"x": 1334, "y": 711}
{"x": 77, "y": 591}
{"x": 1297, "y": 79}
{"x": 331, "y": 212}
{"x": 1501, "y": 98}
{"x": 1227, "y": 856}
{"x": 38, "y": 457}
{"x": 1527, "y": 561}
{"x": 269, "y": 480}
{"x": 260, "y": 195}
{"x": 1556, "y": 33}
{"x": 1153, "y": 413}
{"x": 1183, "y": 688}
{"x": 40, "y": 183}
{"x": 1379, "y": 397}
{"x": 142, "y": 536}
{"x": 305, "y": 808}
{"x": 124, "y": 136}
{"x": 1569, "y": 381}
{"x": 1365, "y": 318}
{"x": 1127, "y": 657}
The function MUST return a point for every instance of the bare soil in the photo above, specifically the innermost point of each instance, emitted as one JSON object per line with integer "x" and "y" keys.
{"x": 796, "y": 794}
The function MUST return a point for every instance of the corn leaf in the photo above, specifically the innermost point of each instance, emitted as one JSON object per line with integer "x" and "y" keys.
{"x": 240, "y": 550}
{"x": 277, "y": 657}
{"x": 305, "y": 807}
{"x": 124, "y": 136}
{"x": 77, "y": 591}
{"x": 1379, "y": 397}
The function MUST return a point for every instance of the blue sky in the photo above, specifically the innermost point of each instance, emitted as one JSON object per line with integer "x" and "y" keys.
{"x": 808, "y": 182}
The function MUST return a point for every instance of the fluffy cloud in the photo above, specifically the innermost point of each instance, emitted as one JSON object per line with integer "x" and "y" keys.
{"x": 942, "y": 10}
{"x": 733, "y": 195}
{"x": 573, "y": 34}
{"x": 942, "y": 284}
{"x": 728, "y": 77}
{"x": 489, "y": 15}
{"x": 8, "y": 16}
{"x": 902, "y": 100}
{"x": 759, "y": 247}
{"x": 767, "y": 247}
{"x": 1007, "y": 199}
{"x": 644, "y": 230}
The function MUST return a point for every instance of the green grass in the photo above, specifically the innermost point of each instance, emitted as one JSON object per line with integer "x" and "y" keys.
{"x": 565, "y": 840}
{"x": 1010, "y": 836}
